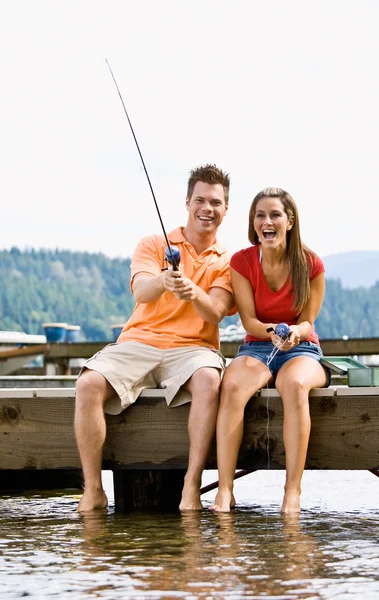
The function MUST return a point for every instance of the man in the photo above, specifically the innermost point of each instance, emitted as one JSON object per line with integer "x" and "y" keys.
{"x": 171, "y": 338}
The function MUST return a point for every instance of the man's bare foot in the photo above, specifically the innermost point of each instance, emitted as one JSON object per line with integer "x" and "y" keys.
{"x": 291, "y": 502}
{"x": 92, "y": 500}
{"x": 190, "y": 498}
{"x": 224, "y": 501}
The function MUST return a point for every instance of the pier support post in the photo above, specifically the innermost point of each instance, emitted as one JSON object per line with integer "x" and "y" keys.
{"x": 138, "y": 489}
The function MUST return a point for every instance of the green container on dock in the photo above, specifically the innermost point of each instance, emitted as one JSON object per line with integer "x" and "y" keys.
{"x": 366, "y": 377}
{"x": 341, "y": 364}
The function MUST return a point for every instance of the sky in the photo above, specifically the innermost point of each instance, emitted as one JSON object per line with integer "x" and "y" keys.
{"x": 277, "y": 93}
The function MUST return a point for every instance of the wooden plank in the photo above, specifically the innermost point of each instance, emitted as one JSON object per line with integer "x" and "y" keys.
{"x": 24, "y": 351}
{"x": 73, "y": 350}
{"x": 17, "y": 393}
{"x": 357, "y": 391}
{"x": 344, "y": 434}
{"x": 330, "y": 347}
{"x": 36, "y": 432}
{"x": 37, "y": 381}
{"x": 55, "y": 392}
{"x": 317, "y": 392}
{"x": 350, "y": 347}
{"x": 55, "y": 351}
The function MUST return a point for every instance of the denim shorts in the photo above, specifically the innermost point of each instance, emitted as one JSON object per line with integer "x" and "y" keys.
{"x": 262, "y": 350}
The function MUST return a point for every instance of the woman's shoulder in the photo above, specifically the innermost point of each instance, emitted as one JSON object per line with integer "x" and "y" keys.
{"x": 246, "y": 254}
{"x": 316, "y": 266}
{"x": 244, "y": 261}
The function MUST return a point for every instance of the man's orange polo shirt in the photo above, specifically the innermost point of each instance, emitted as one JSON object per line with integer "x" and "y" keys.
{"x": 169, "y": 322}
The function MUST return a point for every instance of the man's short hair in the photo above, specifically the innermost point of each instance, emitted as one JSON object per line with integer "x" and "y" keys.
{"x": 208, "y": 174}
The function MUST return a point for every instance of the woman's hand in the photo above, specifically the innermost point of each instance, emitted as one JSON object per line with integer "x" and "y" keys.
{"x": 290, "y": 342}
{"x": 295, "y": 335}
{"x": 293, "y": 339}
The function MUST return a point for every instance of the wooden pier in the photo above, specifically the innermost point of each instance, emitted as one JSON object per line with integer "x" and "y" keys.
{"x": 147, "y": 445}
{"x": 57, "y": 356}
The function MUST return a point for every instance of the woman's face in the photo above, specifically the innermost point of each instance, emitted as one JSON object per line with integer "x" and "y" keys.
{"x": 271, "y": 223}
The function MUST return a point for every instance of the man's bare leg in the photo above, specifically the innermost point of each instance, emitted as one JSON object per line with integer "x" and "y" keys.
{"x": 92, "y": 391}
{"x": 204, "y": 386}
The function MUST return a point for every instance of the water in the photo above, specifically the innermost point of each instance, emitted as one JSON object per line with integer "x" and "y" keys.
{"x": 47, "y": 550}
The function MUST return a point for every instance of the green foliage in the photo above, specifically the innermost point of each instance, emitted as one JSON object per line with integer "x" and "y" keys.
{"x": 78, "y": 288}
{"x": 351, "y": 312}
{"x": 92, "y": 290}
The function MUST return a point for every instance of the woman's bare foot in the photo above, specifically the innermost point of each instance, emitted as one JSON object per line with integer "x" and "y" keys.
{"x": 224, "y": 501}
{"x": 291, "y": 502}
{"x": 92, "y": 500}
{"x": 190, "y": 497}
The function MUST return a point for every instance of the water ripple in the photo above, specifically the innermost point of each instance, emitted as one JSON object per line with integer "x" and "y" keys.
{"x": 47, "y": 550}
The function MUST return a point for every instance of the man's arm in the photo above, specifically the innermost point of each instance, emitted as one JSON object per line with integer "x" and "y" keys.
{"x": 148, "y": 287}
{"x": 211, "y": 307}
{"x": 214, "y": 306}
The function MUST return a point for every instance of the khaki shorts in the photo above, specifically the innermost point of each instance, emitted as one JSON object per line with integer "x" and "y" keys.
{"x": 131, "y": 367}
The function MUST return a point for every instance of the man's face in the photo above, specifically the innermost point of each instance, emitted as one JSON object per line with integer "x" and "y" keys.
{"x": 206, "y": 208}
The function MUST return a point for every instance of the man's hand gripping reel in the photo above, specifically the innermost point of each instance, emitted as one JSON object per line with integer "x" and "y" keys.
{"x": 172, "y": 255}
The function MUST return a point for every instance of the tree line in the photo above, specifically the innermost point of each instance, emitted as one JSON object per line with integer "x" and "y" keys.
{"x": 93, "y": 291}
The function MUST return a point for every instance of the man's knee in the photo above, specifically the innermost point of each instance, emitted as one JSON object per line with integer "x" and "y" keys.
{"x": 91, "y": 389}
{"x": 206, "y": 380}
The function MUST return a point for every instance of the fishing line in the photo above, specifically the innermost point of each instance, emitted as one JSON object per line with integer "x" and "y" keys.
{"x": 283, "y": 331}
{"x": 172, "y": 254}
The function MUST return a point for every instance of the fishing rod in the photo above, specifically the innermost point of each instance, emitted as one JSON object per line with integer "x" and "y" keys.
{"x": 172, "y": 254}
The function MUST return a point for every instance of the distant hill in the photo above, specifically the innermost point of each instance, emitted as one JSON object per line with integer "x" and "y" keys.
{"x": 39, "y": 286}
{"x": 355, "y": 269}
{"x": 91, "y": 290}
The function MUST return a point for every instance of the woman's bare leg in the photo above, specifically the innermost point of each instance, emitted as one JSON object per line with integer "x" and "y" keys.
{"x": 294, "y": 381}
{"x": 243, "y": 377}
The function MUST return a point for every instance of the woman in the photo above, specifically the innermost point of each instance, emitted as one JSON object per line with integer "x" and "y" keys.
{"x": 278, "y": 279}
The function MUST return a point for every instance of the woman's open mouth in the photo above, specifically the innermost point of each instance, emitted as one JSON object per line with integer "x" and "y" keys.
{"x": 269, "y": 234}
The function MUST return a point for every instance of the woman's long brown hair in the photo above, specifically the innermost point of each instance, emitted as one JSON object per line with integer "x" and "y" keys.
{"x": 299, "y": 256}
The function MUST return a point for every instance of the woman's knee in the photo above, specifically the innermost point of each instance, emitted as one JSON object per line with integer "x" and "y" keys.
{"x": 296, "y": 386}
{"x": 230, "y": 387}
{"x": 295, "y": 394}
{"x": 232, "y": 395}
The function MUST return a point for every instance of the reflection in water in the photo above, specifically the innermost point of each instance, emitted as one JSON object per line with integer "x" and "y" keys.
{"x": 255, "y": 556}
{"x": 228, "y": 553}
{"x": 47, "y": 549}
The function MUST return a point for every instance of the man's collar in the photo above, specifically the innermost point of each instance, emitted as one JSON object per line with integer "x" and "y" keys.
{"x": 176, "y": 237}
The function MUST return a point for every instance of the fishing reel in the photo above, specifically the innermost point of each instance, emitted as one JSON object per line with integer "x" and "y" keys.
{"x": 172, "y": 255}
{"x": 282, "y": 330}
